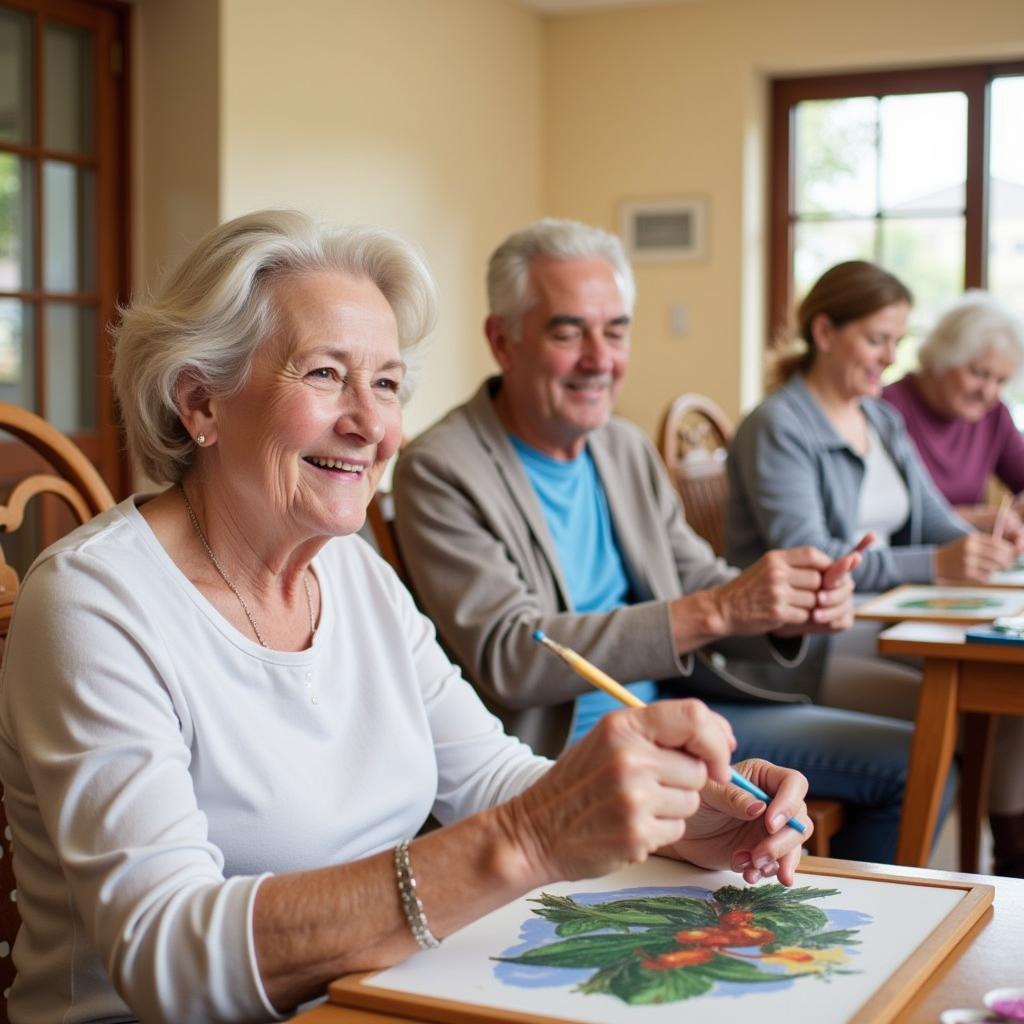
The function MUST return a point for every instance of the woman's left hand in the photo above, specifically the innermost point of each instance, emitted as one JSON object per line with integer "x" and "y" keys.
{"x": 734, "y": 829}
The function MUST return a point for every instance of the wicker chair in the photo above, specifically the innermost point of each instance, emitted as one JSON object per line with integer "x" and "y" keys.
{"x": 59, "y": 468}
{"x": 693, "y": 441}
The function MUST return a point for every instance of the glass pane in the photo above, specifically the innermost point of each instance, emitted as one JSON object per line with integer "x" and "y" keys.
{"x": 923, "y": 150}
{"x": 69, "y": 69}
{"x": 835, "y": 147}
{"x": 928, "y": 255}
{"x": 818, "y": 245}
{"x": 16, "y": 222}
{"x": 1006, "y": 193}
{"x": 69, "y": 228}
{"x": 15, "y": 76}
{"x": 70, "y": 366}
{"x": 17, "y": 354}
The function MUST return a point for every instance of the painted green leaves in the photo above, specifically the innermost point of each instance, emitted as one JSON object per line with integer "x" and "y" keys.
{"x": 669, "y": 948}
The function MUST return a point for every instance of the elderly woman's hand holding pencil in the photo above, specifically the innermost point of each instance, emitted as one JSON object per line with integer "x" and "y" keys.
{"x": 624, "y": 791}
{"x": 657, "y": 779}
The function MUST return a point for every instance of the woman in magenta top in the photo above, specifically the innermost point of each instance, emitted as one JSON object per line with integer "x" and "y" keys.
{"x": 954, "y": 412}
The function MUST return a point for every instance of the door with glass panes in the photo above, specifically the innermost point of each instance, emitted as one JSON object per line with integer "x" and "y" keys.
{"x": 62, "y": 229}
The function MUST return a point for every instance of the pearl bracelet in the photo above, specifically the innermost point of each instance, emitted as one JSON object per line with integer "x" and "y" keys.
{"x": 411, "y": 904}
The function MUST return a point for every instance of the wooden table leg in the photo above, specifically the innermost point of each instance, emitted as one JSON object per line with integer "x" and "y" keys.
{"x": 931, "y": 753}
{"x": 976, "y": 770}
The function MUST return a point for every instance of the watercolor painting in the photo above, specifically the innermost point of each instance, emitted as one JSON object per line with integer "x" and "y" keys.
{"x": 943, "y": 604}
{"x": 1012, "y": 577}
{"x": 646, "y": 946}
{"x": 654, "y": 941}
{"x": 951, "y": 604}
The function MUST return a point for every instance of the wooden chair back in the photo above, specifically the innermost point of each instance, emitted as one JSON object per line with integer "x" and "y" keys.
{"x": 380, "y": 514}
{"x": 693, "y": 441}
{"x": 63, "y": 471}
{"x": 58, "y": 467}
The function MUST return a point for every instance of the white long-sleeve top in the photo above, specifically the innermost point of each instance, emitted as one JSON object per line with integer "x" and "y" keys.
{"x": 158, "y": 765}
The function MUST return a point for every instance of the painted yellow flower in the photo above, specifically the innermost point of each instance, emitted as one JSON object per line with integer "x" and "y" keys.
{"x": 806, "y": 961}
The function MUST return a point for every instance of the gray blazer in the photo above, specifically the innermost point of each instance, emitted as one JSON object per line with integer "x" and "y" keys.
{"x": 484, "y": 567}
{"x": 793, "y": 480}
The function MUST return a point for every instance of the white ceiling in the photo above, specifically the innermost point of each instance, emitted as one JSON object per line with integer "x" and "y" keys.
{"x": 560, "y": 6}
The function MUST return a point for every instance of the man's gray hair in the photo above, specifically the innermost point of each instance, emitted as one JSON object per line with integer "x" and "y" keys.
{"x": 974, "y": 323}
{"x": 209, "y": 318}
{"x": 508, "y": 272}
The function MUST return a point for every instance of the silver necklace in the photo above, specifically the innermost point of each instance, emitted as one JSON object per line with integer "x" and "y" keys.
{"x": 232, "y": 587}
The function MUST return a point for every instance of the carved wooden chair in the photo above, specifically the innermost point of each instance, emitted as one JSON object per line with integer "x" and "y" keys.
{"x": 694, "y": 441}
{"x": 60, "y": 469}
{"x": 55, "y": 466}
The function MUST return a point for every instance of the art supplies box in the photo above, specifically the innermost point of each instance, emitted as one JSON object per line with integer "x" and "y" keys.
{"x": 1006, "y": 630}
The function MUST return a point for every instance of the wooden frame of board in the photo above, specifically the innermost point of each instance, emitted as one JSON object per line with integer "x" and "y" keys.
{"x": 879, "y": 608}
{"x": 883, "y": 1005}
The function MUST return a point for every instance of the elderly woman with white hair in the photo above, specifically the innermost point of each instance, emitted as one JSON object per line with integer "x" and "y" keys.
{"x": 222, "y": 718}
{"x": 954, "y": 411}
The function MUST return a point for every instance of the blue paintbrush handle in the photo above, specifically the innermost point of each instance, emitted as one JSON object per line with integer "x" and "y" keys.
{"x": 745, "y": 784}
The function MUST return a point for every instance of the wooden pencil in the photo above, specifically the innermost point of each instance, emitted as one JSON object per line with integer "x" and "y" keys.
{"x": 615, "y": 689}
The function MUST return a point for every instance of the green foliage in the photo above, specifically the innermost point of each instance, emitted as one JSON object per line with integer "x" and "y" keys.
{"x": 823, "y": 940}
{"x": 633, "y": 946}
{"x": 596, "y": 950}
{"x": 574, "y": 918}
{"x": 640, "y": 987}
{"x": 767, "y": 897}
{"x": 727, "y": 968}
{"x": 792, "y": 924}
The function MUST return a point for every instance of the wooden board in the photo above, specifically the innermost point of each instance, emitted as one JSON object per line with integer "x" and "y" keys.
{"x": 958, "y": 605}
{"x": 961, "y": 903}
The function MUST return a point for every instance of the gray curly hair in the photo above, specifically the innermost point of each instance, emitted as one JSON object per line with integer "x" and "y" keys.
{"x": 212, "y": 314}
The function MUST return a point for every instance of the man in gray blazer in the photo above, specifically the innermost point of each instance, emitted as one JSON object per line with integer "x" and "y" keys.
{"x": 532, "y": 507}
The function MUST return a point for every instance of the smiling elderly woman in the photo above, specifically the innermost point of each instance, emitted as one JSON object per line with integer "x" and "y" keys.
{"x": 954, "y": 411}
{"x": 221, "y": 716}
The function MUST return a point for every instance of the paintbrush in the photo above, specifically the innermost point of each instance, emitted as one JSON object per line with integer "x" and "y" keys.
{"x": 1004, "y": 511}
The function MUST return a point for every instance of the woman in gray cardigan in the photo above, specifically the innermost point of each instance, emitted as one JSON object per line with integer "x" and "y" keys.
{"x": 823, "y": 461}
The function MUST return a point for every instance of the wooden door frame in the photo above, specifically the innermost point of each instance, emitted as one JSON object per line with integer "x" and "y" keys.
{"x": 110, "y": 19}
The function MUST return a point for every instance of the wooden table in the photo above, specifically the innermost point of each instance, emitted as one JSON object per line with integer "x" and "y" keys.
{"x": 988, "y": 957}
{"x": 980, "y": 680}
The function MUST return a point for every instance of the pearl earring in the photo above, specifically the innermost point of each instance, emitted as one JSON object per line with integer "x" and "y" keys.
{"x": 200, "y": 439}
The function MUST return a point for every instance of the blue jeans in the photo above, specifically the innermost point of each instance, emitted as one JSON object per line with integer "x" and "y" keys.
{"x": 846, "y": 755}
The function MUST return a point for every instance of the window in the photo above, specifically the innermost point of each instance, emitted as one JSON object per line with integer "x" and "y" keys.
{"x": 63, "y": 217}
{"x": 920, "y": 171}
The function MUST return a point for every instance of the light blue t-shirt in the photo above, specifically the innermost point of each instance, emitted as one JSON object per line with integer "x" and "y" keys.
{"x": 576, "y": 510}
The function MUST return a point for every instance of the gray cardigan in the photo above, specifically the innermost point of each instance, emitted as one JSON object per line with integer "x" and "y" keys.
{"x": 793, "y": 480}
{"x": 483, "y": 567}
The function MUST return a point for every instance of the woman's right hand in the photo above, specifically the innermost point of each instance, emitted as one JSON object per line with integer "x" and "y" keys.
{"x": 985, "y": 518}
{"x": 623, "y": 791}
{"x": 973, "y": 557}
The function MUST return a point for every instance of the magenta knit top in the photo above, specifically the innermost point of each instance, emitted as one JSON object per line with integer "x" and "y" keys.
{"x": 959, "y": 455}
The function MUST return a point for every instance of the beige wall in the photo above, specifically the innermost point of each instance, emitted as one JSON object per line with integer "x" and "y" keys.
{"x": 455, "y": 121}
{"x": 175, "y": 130}
{"x": 422, "y": 117}
{"x": 668, "y": 101}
